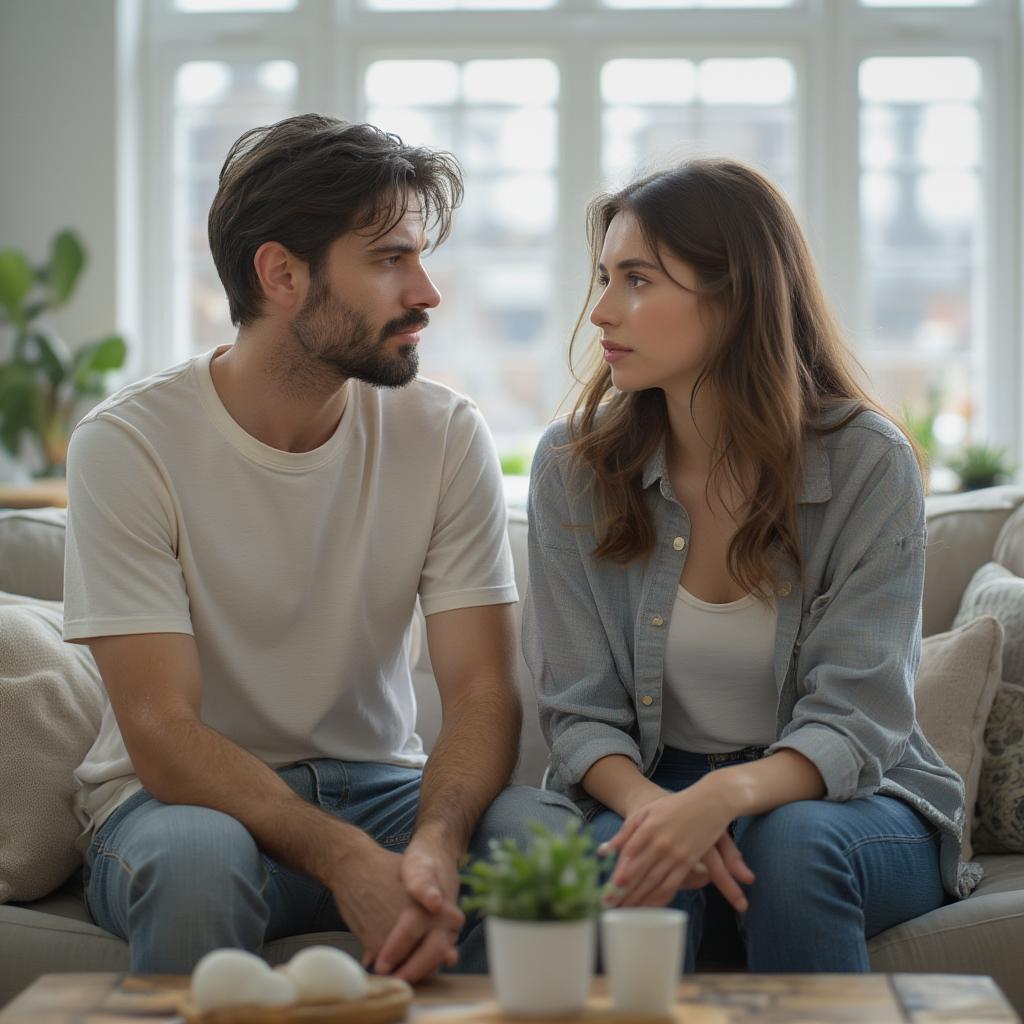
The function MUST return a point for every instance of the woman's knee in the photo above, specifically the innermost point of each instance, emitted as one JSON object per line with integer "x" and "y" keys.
{"x": 790, "y": 841}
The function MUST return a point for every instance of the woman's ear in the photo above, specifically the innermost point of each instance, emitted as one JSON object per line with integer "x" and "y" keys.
{"x": 283, "y": 277}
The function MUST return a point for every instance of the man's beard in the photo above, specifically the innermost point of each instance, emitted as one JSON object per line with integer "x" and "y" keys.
{"x": 341, "y": 339}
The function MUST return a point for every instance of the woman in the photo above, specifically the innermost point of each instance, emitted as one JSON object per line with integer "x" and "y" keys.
{"x": 726, "y": 567}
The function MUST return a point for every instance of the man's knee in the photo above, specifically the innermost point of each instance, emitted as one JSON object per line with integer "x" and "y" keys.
{"x": 190, "y": 850}
{"x": 515, "y": 807}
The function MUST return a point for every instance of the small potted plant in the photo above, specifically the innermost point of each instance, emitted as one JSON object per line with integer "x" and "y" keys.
{"x": 982, "y": 465}
{"x": 540, "y": 904}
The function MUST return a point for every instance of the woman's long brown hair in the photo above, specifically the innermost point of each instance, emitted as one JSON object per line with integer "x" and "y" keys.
{"x": 779, "y": 363}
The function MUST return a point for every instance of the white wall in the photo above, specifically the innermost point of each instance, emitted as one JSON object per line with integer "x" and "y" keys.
{"x": 58, "y": 145}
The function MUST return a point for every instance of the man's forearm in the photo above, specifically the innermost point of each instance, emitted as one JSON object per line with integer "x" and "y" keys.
{"x": 189, "y": 763}
{"x": 471, "y": 763}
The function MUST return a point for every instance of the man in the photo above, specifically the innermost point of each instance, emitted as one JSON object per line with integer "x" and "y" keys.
{"x": 247, "y": 536}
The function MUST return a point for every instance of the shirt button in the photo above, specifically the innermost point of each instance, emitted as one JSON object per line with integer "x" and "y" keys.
{"x": 657, "y": 620}
{"x": 647, "y": 700}
{"x": 785, "y": 589}
{"x": 679, "y": 543}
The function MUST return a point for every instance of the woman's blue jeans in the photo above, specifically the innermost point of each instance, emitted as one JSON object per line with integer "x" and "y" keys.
{"x": 177, "y": 881}
{"x": 828, "y": 875}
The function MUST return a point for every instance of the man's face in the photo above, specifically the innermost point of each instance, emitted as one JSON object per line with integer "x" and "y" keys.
{"x": 367, "y": 304}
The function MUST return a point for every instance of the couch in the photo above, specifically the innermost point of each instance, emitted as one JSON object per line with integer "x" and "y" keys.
{"x": 983, "y": 934}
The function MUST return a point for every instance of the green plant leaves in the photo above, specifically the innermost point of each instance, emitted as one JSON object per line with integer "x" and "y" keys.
{"x": 67, "y": 260}
{"x": 22, "y": 406}
{"x": 16, "y": 279}
{"x": 93, "y": 360}
{"x": 557, "y": 878}
{"x": 53, "y": 357}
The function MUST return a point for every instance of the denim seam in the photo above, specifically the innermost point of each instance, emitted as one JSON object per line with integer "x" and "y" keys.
{"x": 118, "y": 859}
{"x": 868, "y": 840}
{"x": 316, "y": 783}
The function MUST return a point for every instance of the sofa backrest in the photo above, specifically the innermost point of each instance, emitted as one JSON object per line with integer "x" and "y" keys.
{"x": 964, "y": 531}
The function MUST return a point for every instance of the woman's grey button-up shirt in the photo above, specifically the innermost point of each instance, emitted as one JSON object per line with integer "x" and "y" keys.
{"x": 847, "y": 646}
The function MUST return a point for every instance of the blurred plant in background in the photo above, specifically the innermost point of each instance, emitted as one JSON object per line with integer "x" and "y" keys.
{"x": 982, "y": 465}
{"x": 43, "y": 383}
{"x": 921, "y": 425}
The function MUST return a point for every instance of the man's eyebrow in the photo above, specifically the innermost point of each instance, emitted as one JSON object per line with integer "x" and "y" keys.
{"x": 631, "y": 264}
{"x": 394, "y": 248}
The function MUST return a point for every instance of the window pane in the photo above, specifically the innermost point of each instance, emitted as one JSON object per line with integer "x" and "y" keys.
{"x": 699, "y": 3}
{"x": 209, "y": 6}
{"x": 921, "y": 3}
{"x": 493, "y": 336}
{"x": 921, "y": 225}
{"x": 458, "y": 5}
{"x": 660, "y": 110}
{"x": 214, "y": 102}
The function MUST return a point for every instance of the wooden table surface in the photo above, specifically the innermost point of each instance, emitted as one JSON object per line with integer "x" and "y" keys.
{"x": 38, "y": 494}
{"x": 703, "y": 999}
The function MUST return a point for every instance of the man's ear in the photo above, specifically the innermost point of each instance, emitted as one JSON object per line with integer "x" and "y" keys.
{"x": 283, "y": 277}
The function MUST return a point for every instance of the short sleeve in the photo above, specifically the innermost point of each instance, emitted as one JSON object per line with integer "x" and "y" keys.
{"x": 469, "y": 561}
{"x": 121, "y": 570}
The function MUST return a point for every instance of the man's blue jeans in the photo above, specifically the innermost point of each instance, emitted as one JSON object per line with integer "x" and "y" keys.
{"x": 177, "y": 881}
{"x": 828, "y": 875}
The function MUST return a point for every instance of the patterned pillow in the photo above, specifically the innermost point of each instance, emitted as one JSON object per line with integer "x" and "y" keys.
{"x": 999, "y": 815}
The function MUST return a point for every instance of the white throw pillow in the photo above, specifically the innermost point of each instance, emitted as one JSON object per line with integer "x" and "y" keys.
{"x": 51, "y": 703}
{"x": 956, "y": 684}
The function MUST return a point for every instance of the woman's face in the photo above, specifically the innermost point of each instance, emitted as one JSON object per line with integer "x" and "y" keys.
{"x": 655, "y": 331}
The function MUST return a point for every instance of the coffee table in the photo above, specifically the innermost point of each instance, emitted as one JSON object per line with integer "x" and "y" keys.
{"x": 467, "y": 999}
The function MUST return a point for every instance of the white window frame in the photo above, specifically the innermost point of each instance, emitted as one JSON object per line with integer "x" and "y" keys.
{"x": 332, "y": 41}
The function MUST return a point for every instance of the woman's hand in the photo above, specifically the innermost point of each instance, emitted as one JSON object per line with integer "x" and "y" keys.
{"x": 680, "y": 840}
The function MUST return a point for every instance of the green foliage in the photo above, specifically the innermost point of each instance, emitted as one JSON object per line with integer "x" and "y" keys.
{"x": 515, "y": 463}
{"x": 982, "y": 465}
{"x": 557, "y": 878}
{"x": 920, "y": 424}
{"x": 43, "y": 382}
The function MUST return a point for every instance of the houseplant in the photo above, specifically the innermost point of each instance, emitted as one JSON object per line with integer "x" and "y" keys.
{"x": 540, "y": 905}
{"x": 42, "y": 383}
{"x": 982, "y": 465}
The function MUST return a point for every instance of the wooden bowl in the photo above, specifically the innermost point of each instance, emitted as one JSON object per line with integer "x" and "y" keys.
{"x": 387, "y": 1001}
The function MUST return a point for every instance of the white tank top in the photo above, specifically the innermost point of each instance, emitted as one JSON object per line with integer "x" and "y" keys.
{"x": 719, "y": 691}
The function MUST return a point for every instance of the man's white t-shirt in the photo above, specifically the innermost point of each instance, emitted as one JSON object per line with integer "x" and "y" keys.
{"x": 297, "y": 573}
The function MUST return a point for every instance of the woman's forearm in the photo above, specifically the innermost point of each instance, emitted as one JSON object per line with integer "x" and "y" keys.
{"x": 617, "y": 783}
{"x": 760, "y": 786}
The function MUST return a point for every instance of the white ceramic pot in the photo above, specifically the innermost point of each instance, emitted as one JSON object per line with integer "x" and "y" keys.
{"x": 540, "y": 968}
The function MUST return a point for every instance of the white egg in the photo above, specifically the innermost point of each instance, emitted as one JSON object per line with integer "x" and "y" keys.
{"x": 323, "y": 972}
{"x": 278, "y": 990}
{"x": 228, "y": 977}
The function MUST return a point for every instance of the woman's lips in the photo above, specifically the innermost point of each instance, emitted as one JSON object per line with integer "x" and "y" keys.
{"x": 613, "y": 353}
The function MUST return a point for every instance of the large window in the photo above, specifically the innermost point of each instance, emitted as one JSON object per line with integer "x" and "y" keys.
{"x": 891, "y": 126}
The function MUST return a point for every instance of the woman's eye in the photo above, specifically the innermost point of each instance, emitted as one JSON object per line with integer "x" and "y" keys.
{"x": 634, "y": 280}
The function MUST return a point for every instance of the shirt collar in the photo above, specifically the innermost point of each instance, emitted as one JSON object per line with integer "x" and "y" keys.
{"x": 817, "y": 478}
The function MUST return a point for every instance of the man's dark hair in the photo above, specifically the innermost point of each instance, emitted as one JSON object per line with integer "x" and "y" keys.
{"x": 309, "y": 179}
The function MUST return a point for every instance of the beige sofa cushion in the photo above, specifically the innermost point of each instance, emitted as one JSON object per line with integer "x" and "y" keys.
{"x": 32, "y": 553}
{"x": 994, "y": 590}
{"x": 956, "y": 684}
{"x": 1009, "y": 549}
{"x": 51, "y": 703}
{"x": 962, "y": 531}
